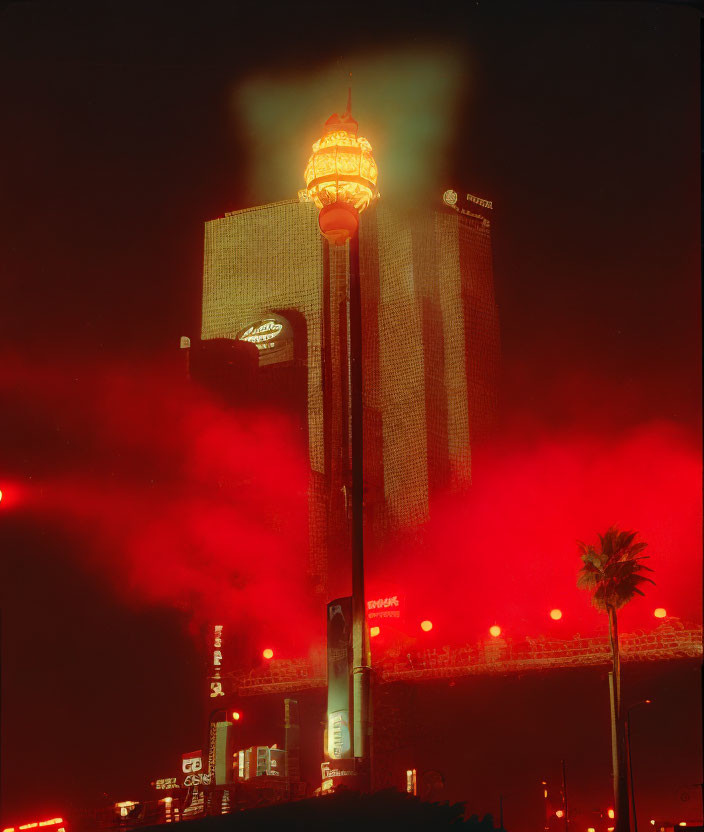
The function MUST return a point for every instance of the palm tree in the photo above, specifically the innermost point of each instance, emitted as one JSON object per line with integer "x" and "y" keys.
{"x": 613, "y": 573}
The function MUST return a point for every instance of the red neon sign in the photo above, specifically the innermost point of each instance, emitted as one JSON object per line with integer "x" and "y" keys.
{"x": 52, "y": 822}
{"x": 389, "y": 607}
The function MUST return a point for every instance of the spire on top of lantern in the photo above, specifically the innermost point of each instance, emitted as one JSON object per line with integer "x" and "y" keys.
{"x": 341, "y": 174}
{"x": 345, "y": 121}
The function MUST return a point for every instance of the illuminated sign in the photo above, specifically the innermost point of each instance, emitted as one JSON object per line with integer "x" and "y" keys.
{"x": 54, "y": 824}
{"x": 215, "y": 680}
{"x": 192, "y": 762}
{"x": 212, "y": 742}
{"x": 262, "y": 334}
{"x": 197, "y": 804}
{"x": 338, "y": 735}
{"x": 450, "y": 199}
{"x": 485, "y": 203}
{"x": 411, "y": 787}
{"x": 339, "y": 654}
{"x": 384, "y": 608}
{"x": 272, "y": 336}
{"x": 197, "y": 780}
{"x": 260, "y": 761}
{"x": 335, "y": 774}
{"x": 166, "y": 783}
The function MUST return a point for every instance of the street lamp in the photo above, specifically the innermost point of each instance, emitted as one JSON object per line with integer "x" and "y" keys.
{"x": 544, "y": 784}
{"x": 630, "y": 763}
{"x": 341, "y": 179}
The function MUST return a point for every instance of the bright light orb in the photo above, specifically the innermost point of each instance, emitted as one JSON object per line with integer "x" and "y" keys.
{"x": 559, "y": 813}
{"x": 341, "y": 177}
{"x": 374, "y": 631}
{"x": 426, "y": 626}
{"x": 556, "y": 615}
{"x": 268, "y": 653}
{"x": 591, "y": 829}
{"x": 660, "y": 612}
{"x": 495, "y": 630}
{"x": 611, "y": 813}
{"x": 235, "y": 715}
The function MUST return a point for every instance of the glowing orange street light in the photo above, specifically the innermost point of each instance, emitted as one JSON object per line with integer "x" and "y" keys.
{"x": 495, "y": 630}
{"x": 559, "y": 813}
{"x": 660, "y": 612}
{"x": 236, "y": 715}
{"x": 374, "y": 631}
{"x": 268, "y": 653}
{"x": 611, "y": 813}
{"x": 556, "y": 615}
{"x": 341, "y": 177}
{"x": 426, "y": 626}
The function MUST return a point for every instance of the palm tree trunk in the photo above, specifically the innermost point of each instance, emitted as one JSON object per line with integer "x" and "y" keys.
{"x": 613, "y": 638}
{"x": 618, "y": 744}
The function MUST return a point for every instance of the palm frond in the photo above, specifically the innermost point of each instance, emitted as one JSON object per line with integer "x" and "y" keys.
{"x": 613, "y": 571}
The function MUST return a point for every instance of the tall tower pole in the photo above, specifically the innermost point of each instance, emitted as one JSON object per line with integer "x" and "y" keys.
{"x": 341, "y": 179}
{"x": 360, "y": 647}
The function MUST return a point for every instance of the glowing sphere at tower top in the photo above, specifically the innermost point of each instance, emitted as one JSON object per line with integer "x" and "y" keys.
{"x": 341, "y": 177}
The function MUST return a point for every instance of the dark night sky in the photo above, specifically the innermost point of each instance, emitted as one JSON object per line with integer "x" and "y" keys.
{"x": 580, "y": 121}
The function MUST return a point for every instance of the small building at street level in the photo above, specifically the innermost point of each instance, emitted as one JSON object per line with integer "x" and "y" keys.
{"x": 430, "y": 349}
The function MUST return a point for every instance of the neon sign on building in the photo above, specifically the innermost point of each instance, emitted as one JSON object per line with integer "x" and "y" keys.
{"x": 272, "y": 336}
{"x": 262, "y": 334}
{"x": 215, "y": 680}
{"x": 389, "y": 607}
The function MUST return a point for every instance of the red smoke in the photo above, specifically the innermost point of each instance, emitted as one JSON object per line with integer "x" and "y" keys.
{"x": 506, "y": 553}
{"x": 181, "y": 503}
{"x": 175, "y": 500}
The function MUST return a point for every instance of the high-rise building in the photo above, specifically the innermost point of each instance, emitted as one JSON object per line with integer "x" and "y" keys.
{"x": 430, "y": 349}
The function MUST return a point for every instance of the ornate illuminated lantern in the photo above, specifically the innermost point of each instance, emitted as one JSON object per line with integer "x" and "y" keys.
{"x": 341, "y": 177}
